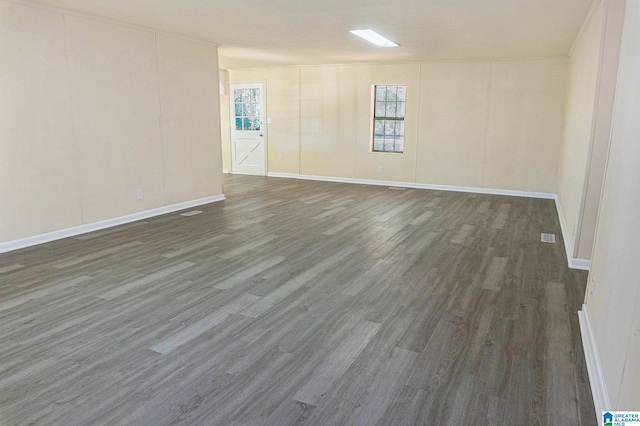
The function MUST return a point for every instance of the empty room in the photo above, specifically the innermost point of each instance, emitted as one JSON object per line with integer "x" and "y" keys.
{"x": 416, "y": 212}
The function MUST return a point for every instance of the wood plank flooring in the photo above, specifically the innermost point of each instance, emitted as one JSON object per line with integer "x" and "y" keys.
{"x": 299, "y": 302}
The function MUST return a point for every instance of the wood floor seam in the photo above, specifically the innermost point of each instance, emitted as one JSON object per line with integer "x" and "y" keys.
{"x": 300, "y": 302}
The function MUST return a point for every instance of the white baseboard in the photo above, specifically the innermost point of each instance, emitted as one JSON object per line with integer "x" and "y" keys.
{"x": 582, "y": 264}
{"x": 491, "y": 191}
{"x": 95, "y": 226}
{"x": 573, "y": 262}
{"x": 592, "y": 359}
{"x": 226, "y": 171}
{"x": 283, "y": 175}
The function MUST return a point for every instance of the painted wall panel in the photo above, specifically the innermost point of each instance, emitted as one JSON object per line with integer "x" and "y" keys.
{"x": 454, "y": 107}
{"x": 80, "y": 120}
{"x": 283, "y": 106}
{"x": 613, "y": 11}
{"x": 116, "y": 117}
{"x": 526, "y": 105}
{"x": 328, "y": 117}
{"x": 39, "y": 188}
{"x": 578, "y": 122}
{"x": 478, "y": 123}
{"x": 190, "y": 118}
{"x": 614, "y": 306}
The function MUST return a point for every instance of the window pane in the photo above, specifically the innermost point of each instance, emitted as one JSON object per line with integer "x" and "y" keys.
{"x": 255, "y": 110}
{"x": 255, "y": 124}
{"x": 246, "y": 95}
{"x": 238, "y": 110}
{"x": 378, "y": 127}
{"x": 401, "y": 109}
{"x": 237, "y": 95}
{"x": 401, "y": 93}
{"x": 238, "y": 123}
{"x": 391, "y": 109}
{"x": 246, "y": 124}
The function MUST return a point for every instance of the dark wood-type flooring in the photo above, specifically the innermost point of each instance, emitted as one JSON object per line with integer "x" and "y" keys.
{"x": 299, "y": 302}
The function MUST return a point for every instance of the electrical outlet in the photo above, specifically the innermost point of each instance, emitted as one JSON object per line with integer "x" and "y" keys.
{"x": 280, "y": 158}
{"x": 139, "y": 194}
{"x": 380, "y": 169}
{"x": 593, "y": 286}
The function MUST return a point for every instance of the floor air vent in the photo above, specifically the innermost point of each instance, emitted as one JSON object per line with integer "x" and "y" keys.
{"x": 548, "y": 238}
{"x": 397, "y": 188}
{"x": 191, "y": 213}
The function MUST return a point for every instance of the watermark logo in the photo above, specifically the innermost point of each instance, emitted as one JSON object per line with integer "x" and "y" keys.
{"x": 621, "y": 418}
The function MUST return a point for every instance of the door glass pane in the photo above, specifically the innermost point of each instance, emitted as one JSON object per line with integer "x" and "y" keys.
{"x": 247, "y": 109}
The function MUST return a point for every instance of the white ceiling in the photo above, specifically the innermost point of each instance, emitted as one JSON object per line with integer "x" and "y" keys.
{"x": 256, "y": 33}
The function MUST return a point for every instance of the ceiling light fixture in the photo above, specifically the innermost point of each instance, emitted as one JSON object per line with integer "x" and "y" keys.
{"x": 375, "y": 38}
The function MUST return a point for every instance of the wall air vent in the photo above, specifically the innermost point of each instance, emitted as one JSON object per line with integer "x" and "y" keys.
{"x": 548, "y": 238}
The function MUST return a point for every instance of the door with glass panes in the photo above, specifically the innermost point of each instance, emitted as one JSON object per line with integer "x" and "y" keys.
{"x": 247, "y": 129}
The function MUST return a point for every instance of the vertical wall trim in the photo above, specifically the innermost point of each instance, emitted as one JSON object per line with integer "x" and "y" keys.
{"x": 594, "y": 6}
{"x": 299, "y": 122}
{"x": 594, "y": 367}
{"x": 73, "y": 124}
{"x": 161, "y": 120}
{"x": 415, "y": 167}
{"x": 486, "y": 125}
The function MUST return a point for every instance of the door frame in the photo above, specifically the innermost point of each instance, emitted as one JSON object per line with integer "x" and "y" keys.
{"x": 232, "y": 121}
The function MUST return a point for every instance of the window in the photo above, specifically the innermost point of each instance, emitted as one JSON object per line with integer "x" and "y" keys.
{"x": 247, "y": 109}
{"x": 388, "y": 118}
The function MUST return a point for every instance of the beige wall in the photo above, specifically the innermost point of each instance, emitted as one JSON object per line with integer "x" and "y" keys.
{"x": 577, "y": 135}
{"x": 189, "y": 97}
{"x": 225, "y": 141}
{"x": 613, "y": 18}
{"x": 614, "y": 306}
{"x": 39, "y": 162}
{"x": 593, "y": 69}
{"x": 93, "y": 110}
{"x": 492, "y": 124}
{"x": 454, "y": 110}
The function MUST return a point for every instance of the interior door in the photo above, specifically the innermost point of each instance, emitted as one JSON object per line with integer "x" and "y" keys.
{"x": 247, "y": 135}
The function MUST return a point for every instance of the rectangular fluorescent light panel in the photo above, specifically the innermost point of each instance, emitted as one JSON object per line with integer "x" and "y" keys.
{"x": 375, "y": 38}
